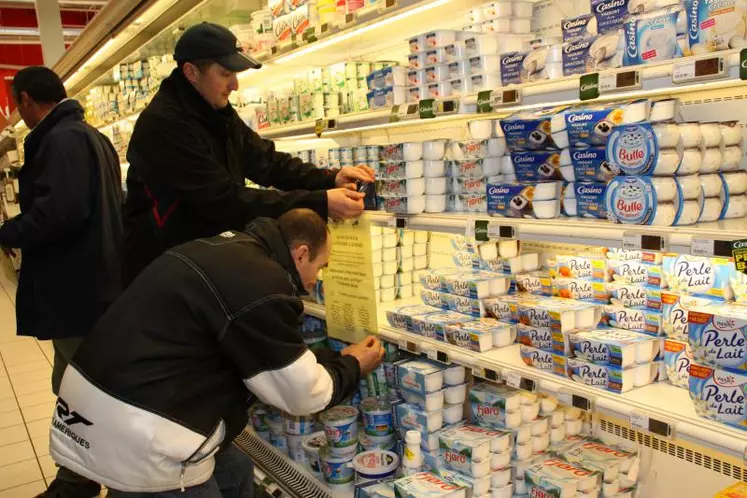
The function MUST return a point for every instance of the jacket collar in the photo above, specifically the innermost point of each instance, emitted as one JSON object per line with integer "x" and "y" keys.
{"x": 195, "y": 104}
{"x": 267, "y": 232}
{"x": 67, "y": 108}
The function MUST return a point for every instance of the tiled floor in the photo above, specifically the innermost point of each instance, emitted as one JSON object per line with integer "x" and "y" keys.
{"x": 26, "y": 405}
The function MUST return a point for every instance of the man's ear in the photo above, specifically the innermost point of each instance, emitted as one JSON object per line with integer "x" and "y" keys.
{"x": 299, "y": 252}
{"x": 191, "y": 72}
{"x": 26, "y": 99}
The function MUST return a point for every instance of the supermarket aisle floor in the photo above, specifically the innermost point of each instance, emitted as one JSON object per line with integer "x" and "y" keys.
{"x": 26, "y": 405}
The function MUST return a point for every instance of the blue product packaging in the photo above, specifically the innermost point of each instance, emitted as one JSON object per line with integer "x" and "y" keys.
{"x": 432, "y": 298}
{"x": 618, "y": 380}
{"x": 591, "y": 165}
{"x": 637, "y": 320}
{"x": 595, "y": 53}
{"x": 714, "y": 25}
{"x": 530, "y": 130}
{"x": 580, "y": 290}
{"x": 535, "y": 337}
{"x": 590, "y": 200}
{"x": 543, "y": 360}
{"x": 433, "y": 325}
{"x": 578, "y": 27}
{"x": 592, "y": 125}
{"x": 517, "y": 201}
{"x": 632, "y": 200}
{"x": 633, "y": 149}
{"x": 538, "y": 165}
{"x": 511, "y": 67}
{"x": 610, "y": 14}
{"x": 718, "y": 336}
{"x": 651, "y": 36}
{"x": 537, "y": 283}
{"x": 700, "y": 276}
{"x": 420, "y": 376}
{"x": 674, "y": 309}
{"x": 615, "y": 347}
{"x": 462, "y": 305}
{"x": 719, "y": 394}
{"x": 677, "y": 359}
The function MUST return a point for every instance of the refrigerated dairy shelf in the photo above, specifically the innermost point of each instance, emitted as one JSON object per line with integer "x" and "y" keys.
{"x": 585, "y": 231}
{"x": 660, "y": 401}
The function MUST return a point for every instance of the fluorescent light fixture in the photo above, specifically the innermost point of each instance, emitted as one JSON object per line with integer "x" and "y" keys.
{"x": 332, "y": 40}
{"x": 101, "y": 51}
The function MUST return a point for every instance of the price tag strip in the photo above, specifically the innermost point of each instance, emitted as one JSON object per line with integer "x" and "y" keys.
{"x": 433, "y": 354}
{"x": 396, "y": 223}
{"x": 322, "y": 125}
{"x": 618, "y": 82}
{"x": 517, "y": 381}
{"x": 689, "y": 71}
{"x": 387, "y": 4}
{"x": 409, "y": 346}
{"x": 646, "y": 423}
{"x": 488, "y": 100}
{"x": 710, "y": 248}
{"x": 484, "y": 230}
{"x": 576, "y": 400}
{"x": 633, "y": 241}
{"x": 485, "y": 373}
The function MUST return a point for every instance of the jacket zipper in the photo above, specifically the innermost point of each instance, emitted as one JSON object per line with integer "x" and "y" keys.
{"x": 187, "y": 462}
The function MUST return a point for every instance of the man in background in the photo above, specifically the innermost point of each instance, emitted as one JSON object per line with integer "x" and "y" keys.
{"x": 161, "y": 386}
{"x": 190, "y": 154}
{"x": 69, "y": 230}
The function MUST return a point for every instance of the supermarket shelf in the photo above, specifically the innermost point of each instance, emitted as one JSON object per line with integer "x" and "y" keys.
{"x": 585, "y": 231}
{"x": 344, "y": 122}
{"x": 7, "y": 142}
{"x": 661, "y": 401}
{"x": 369, "y": 31}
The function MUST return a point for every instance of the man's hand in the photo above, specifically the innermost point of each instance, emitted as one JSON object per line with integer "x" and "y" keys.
{"x": 343, "y": 203}
{"x": 368, "y": 352}
{"x": 348, "y": 175}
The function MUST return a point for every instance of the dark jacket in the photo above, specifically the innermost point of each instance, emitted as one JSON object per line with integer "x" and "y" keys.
{"x": 69, "y": 229}
{"x": 168, "y": 373}
{"x": 188, "y": 164}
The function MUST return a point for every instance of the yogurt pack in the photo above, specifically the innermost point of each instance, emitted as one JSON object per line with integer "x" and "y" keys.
{"x": 537, "y": 283}
{"x": 556, "y": 477}
{"x": 674, "y": 309}
{"x": 677, "y": 359}
{"x": 523, "y": 67}
{"x": 614, "y": 347}
{"x": 433, "y": 325}
{"x": 495, "y": 407}
{"x": 618, "y": 380}
{"x": 420, "y": 376}
{"x": 634, "y": 296}
{"x": 467, "y": 449}
{"x": 427, "y": 484}
{"x": 718, "y": 336}
{"x": 651, "y": 36}
{"x": 698, "y": 275}
{"x": 538, "y": 165}
{"x": 637, "y": 320}
{"x": 543, "y": 360}
{"x": 633, "y": 149}
{"x": 636, "y": 272}
{"x": 592, "y": 125}
{"x": 535, "y": 337}
{"x": 595, "y": 53}
{"x": 401, "y": 317}
{"x": 481, "y": 335}
{"x": 719, "y": 394}
{"x": 591, "y": 165}
{"x": 579, "y": 27}
{"x": 592, "y": 268}
{"x": 609, "y": 461}
{"x": 559, "y": 314}
{"x": 714, "y": 25}
{"x": 580, "y": 290}
{"x": 610, "y": 14}
{"x": 523, "y": 201}
{"x": 640, "y": 200}
{"x": 530, "y": 130}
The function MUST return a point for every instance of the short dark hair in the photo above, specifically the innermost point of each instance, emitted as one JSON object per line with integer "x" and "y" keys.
{"x": 202, "y": 64}
{"x": 40, "y": 83}
{"x": 304, "y": 227}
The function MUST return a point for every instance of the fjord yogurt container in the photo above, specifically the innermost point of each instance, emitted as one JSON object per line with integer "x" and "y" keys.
{"x": 377, "y": 416}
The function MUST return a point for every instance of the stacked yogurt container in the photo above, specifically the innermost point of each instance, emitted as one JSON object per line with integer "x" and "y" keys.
{"x": 630, "y": 162}
{"x": 503, "y": 17}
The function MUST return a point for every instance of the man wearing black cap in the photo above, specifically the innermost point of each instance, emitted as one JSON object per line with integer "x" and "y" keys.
{"x": 190, "y": 153}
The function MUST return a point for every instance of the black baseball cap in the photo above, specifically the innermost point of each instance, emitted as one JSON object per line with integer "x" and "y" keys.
{"x": 208, "y": 40}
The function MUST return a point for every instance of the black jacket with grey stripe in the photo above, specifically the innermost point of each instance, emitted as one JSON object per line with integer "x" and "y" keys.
{"x": 169, "y": 371}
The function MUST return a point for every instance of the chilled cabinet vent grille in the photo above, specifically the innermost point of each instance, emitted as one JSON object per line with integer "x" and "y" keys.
{"x": 675, "y": 450}
{"x": 285, "y": 474}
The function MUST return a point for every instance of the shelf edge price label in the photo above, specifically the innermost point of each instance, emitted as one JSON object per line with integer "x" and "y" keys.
{"x": 435, "y": 355}
{"x": 485, "y": 373}
{"x": 710, "y": 68}
{"x": 506, "y": 97}
{"x": 485, "y": 101}
{"x": 408, "y": 346}
{"x": 743, "y": 64}
{"x": 496, "y": 231}
{"x": 426, "y": 108}
{"x": 710, "y": 247}
{"x": 396, "y": 223}
{"x": 588, "y": 86}
{"x": 387, "y": 4}
{"x": 349, "y": 19}
{"x": 642, "y": 422}
{"x": 321, "y": 125}
{"x": 620, "y": 81}
{"x": 515, "y": 380}
{"x": 576, "y": 400}
{"x": 394, "y": 115}
{"x": 309, "y": 35}
{"x": 633, "y": 241}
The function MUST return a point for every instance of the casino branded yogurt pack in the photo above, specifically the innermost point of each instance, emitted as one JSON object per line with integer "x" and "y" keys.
{"x": 651, "y": 36}
{"x": 713, "y": 26}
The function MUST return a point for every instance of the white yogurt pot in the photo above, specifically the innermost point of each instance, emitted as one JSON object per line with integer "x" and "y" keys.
{"x": 453, "y": 413}
{"x": 689, "y": 213}
{"x": 711, "y": 134}
{"x": 435, "y": 186}
{"x": 434, "y": 150}
{"x": 690, "y": 186}
{"x": 507, "y": 165}
{"x": 434, "y": 169}
{"x": 737, "y": 207}
{"x": 692, "y": 159}
{"x": 497, "y": 26}
{"x": 497, "y": 146}
{"x": 523, "y": 9}
{"x": 711, "y": 184}
{"x": 435, "y": 203}
{"x": 456, "y": 394}
{"x": 557, "y": 434}
{"x": 573, "y": 427}
{"x": 664, "y": 110}
{"x": 731, "y": 159}
{"x": 500, "y": 461}
{"x": 540, "y": 443}
{"x": 521, "y": 25}
{"x": 691, "y": 135}
{"x": 736, "y": 182}
{"x": 481, "y": 129}
{"x": 667, "y": 134}
{"x": 731, "y": 132}
{"x": 548, "y": 405}
{"x": 500, "y": 478}
{"x": 568, "y": 173}
{"x": 667, "y": 162}
{"x": 557, "y": 418}
{"x": 497, "y": 9}
{"x": 530, "y": 412}
{"x": 712, "y": 158}
{"x": 712, "y": 208}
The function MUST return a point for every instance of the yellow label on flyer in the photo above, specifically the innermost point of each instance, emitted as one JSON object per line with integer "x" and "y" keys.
{"x": 349, "y": 290}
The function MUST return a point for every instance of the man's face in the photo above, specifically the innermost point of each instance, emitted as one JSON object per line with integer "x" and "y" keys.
{"x": 309, "y": 268}
{"x": 26, "y": 109}
{"x": 215, "y": 83}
